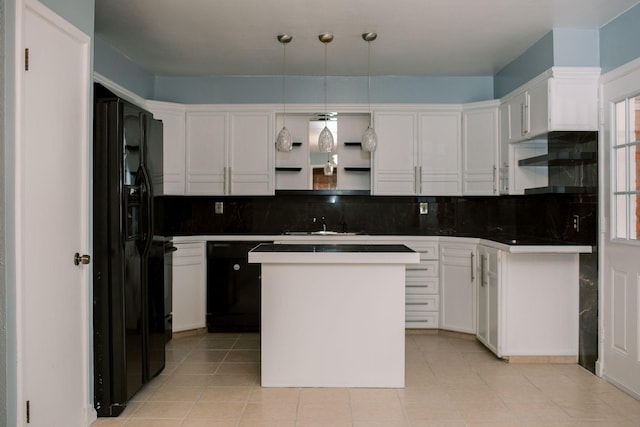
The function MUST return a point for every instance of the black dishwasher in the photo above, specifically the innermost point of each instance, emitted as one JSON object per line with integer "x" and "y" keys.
{"x": 233, "y": 288}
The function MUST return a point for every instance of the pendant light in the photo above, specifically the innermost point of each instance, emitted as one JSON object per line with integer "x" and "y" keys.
{"x": 369, "y": 138}
{"x": 284, "y": 142}
{"x": 325, "y": 139}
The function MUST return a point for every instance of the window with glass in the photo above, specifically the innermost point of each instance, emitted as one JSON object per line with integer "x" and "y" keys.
{"x": 625, "y": 158}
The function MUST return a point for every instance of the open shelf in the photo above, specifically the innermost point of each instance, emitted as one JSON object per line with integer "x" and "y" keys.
{"x": 357, "y": 169}
{"x": 297, "y": 144}
{"x": 560, "y": 189}
{"x": 561, "y": 158}
{"x": 288, "y": 169}
{"x": 353, "y": 144}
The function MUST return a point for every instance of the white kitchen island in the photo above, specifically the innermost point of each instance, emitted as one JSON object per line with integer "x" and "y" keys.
{"x": 333, "y": 314}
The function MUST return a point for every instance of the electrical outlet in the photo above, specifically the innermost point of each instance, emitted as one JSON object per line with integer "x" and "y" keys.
{"x": 576, "y": 222}
{"x": 219, "y": 208}
{"x": 424, "y": 208}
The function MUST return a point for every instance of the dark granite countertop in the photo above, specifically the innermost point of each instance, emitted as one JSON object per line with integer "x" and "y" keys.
{"x": 308, "y": 248}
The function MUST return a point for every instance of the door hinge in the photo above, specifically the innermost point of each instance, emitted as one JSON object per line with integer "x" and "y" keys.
{"x": 28, "y": 412}
{"x": 26, "y": 59}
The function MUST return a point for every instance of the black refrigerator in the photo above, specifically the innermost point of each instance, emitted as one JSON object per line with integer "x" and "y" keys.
{"x": 132, "y": 258}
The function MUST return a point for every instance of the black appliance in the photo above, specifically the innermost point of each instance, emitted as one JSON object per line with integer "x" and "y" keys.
{"x": 233, "y": 288}
{"x": 131, "y": 319}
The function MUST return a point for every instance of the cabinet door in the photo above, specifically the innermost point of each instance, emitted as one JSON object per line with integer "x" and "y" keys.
{"x": 479, "y": 152}
{"x": 206, "y": 153}
{"x": 251, "y": 154}
{"x": 439, "y": 154}
{"x": 504, "y": 149}
{"x": 488, "y": 298}
{"x": 457, "y": 288}
{"x": 394, "y": 160}
{"x": 189, "y": 287}
{"x": 517, "y": 108}
{"x": 537, "y": 110}
{"x": 173, "y": 148}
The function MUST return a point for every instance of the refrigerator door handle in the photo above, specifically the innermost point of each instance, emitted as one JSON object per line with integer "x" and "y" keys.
{"x": 148, "y": 196}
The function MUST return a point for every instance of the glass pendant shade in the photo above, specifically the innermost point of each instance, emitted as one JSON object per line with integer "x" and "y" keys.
{"x": 325, "y": 141}
{"x": 284, "y": 143}
{"x": 328, "y": 168}
{"x": 369, "y": 140}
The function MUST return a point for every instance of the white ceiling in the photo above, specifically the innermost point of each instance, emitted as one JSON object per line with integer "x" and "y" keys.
{"x": 415, "y": 37}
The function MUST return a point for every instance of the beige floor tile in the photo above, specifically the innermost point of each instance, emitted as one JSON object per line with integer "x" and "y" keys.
{"x": 153, "y": 423}
{"x": 242, "y": 356}
{"x": 213, "y": 380}
{"x": 196, "y": 368}
{"x": 486, "y": 412}
{"x": 177, "y": 394}
{"x": 324, "y": 395}
{"x": 217, "y": 410}
{"x": 163, "y": 410}
{"x": 268, "y": 423}
{"x": 208, "y": 422}
{"x": 273, "y": 395}
{"x": 239, "y": 368}
{"x": 205, "y": 356}
{"x": 109, "y": 422}
{"x": 231, "y": 380}
{"x": 225, "y": 394}
{"x": 271, "y": 411}
{"x": 324, "y": 412}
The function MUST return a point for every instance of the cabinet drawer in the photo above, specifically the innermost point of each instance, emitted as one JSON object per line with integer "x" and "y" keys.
{"x": 188, "y": 253}
{"x": 427, "y": 286}
{"x": 422, "y": 303}
{"x": 421, "y": 321}
{"x": 427, "y": 250}
{"x": 423, "y": 269}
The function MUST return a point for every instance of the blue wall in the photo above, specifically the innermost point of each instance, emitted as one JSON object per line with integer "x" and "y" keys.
{"x": 78, "y": 12}
{"x": 620, "y": 40}
{"x": 113, "y": 65}
{"x": 566, "y": 47}
{"x": 309, "y": 89}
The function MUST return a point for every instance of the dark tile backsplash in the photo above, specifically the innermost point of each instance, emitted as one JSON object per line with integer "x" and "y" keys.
{"x": 529, "y": 219}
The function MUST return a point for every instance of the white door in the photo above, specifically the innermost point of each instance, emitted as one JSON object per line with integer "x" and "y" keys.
{"x": 620, "y": 239}
{"x": 52, "y": 220}
{"x": 439, "y": 149}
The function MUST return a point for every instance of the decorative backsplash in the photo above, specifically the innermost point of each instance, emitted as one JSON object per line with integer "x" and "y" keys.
{"x": 548, "y": 217}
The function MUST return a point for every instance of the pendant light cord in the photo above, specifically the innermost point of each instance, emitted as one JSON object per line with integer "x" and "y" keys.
{"x": 326, "y": 110}
{"x": 369, "y": 83}
{"x": 284, "y": 71}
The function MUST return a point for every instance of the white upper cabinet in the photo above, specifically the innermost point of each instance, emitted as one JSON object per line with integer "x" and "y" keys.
{"x": 439, "y": 167}
{"x": 173, "y": 148}
{"x": 251, "y": 154}
{"x": 229, "y": 153}
{"x": 418, "y": 153}
{"x": 480, "y": 142}
{"x": 206, "y": 145}
{"x": 394, "y": 161}
{"x": 561, "y": 99}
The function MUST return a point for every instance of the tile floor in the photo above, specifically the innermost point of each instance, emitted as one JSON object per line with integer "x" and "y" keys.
{"x": 213, "y": 380}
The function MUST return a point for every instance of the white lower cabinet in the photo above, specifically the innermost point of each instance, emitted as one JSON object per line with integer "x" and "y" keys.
{"x": 528, "y": 303}
{"x": 487, "y": 282}
{"x": 422, "y": 301}
{"x": 189, "y": 286}
{"x": 458, "y": 287}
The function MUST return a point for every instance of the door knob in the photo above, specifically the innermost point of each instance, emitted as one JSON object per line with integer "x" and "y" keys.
{"x": 81, "y": 259}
